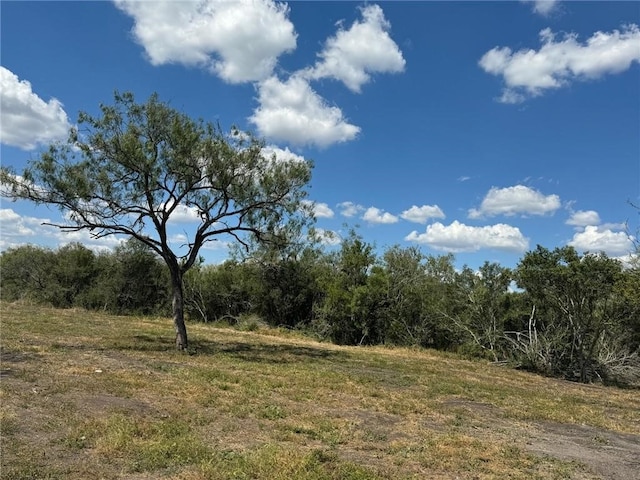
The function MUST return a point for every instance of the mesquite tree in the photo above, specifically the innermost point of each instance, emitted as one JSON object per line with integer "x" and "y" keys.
{"x": 135, "y": 167}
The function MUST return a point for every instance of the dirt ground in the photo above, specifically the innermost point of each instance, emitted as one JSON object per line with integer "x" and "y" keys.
{"x": 609, "y": 455}
{"x": 614, "y": 456}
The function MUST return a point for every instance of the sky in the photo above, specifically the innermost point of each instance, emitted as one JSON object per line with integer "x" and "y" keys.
{"x": 481, "y": 129}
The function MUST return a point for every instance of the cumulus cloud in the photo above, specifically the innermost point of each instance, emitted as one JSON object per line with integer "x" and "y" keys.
{"x": 583, "y": 218}
{"x": 184, "y": 214}
{"x": 516, "y": 200}
{"x": 543, "y": 7}
{"x": 422, "y": 214}
{"x": 292, "y": 111}
{"x": 377, "y": 216}
{"x": 597, "y": 239}
{"x": 84, "y": 237}
{"x": 327, "y": 237}
{"x": 458, "y": 237}
{"x": 352, "y": 55}
{"x": 239, "y": 41}
{"x": 180, "y": 239}
{"x": 6, "y": 188}
{"x": 18, "y": 230}
{"x": 281, "y": 154}
{"x": 529, "y": 73}
{"x": 511, "y": 97}
{"x": 320, "y": 210}
{"x": 25, "y": 119}
{"x": 217, "y": 245}
{"x": 15, "y": 225}
{"x": 350, "y": 209}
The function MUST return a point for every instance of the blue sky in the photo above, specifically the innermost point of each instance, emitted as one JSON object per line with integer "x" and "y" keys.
{"x": 478, "y": 128}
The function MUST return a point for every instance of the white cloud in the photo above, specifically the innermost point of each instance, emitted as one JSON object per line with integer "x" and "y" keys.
{"x": 613, "y": 226}
{"x": 103, "y": 244}
{"x": 327, "y": 237}
{"x": 377, "y": 216}
{"x": 178, "y": 239}
{"x": 6, "y": 190}
{"x": 14, "y": 225}
{"x": 180, "y": 243}
{"x": 597, "y": 239}
{"x": 511, "y": 97}
{"x": 459, "y": 237}
{"x": 352, "y": 55}
{"x": 516, "y": 200}
{"x": 25, "y": 119}
{"x": 215, "y": 244}
{"x": 350, "y": 209}
{"x": 240, "y": 40}
{"x": 320, "y": 210}
{"x": 281, "y": 154}
{"x": 528, "y": 73}
{"x": 422, "y": 214}
{"x": 18, "y": 230}
{"x": 543, "y": 7}
{"x": 184, "y": 214}
{"x": 631, "y": 260}
{"x": 583, "y": 218}
{"x": 291, "y": 111}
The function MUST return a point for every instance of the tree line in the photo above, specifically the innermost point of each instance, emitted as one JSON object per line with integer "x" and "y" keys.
{"x": 557, "y": 313}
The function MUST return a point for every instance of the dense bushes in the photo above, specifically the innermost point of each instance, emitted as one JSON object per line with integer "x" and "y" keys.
{"x": 571, "y": 316}
{"x": 216, "y": 292}
{"x": 130, "y": 279}
{"x": 580, "y": 327}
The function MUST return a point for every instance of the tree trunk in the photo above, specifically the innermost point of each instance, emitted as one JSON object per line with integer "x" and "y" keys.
{"x": 178, "y": 310}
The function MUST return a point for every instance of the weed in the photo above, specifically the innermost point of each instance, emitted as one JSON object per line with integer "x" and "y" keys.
{"x": 8, "y": 424}
{"x": 273, "y": 412}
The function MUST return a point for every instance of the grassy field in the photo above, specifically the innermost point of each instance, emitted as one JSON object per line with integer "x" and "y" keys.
{"x": 89, "y": 395}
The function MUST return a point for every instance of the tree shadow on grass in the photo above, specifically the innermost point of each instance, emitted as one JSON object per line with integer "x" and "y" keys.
{"x": 265, "y": 353}
{"x": 144, "y": 343}
{"x": 243, "y": 351}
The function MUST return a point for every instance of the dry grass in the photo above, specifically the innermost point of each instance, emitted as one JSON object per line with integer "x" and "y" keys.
{"x": 87, "y": 395}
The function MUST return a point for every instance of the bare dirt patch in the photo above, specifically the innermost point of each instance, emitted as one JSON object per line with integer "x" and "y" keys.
{"x": 100, "y": 404}
{"x": 609, "y": 455}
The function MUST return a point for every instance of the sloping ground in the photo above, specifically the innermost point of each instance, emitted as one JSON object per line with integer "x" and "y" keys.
{"x": 86, "y": 395}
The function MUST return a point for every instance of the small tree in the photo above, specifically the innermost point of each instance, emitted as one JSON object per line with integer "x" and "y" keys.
{"x": 137, "y": 166}
{"x": 74, "y": 272}
{"x": 342, "y": 309}
{"x": 27, "y": 273}
{"x": 408, "y": 286}
{"x": 483, "y": 307}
